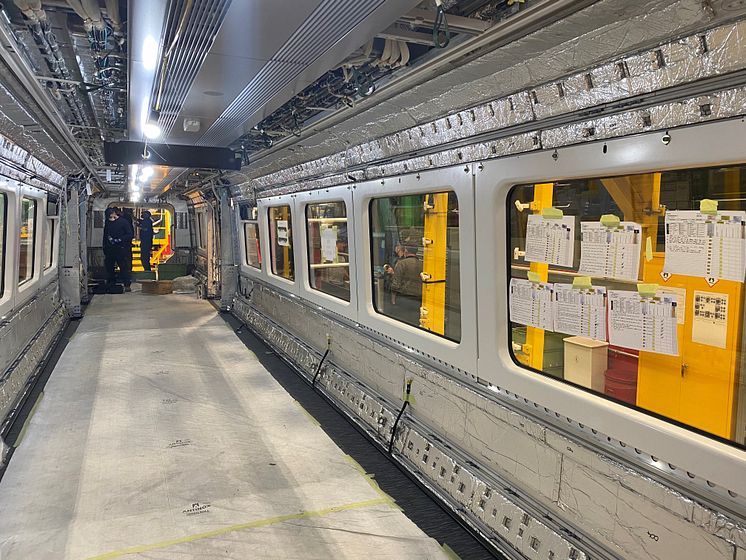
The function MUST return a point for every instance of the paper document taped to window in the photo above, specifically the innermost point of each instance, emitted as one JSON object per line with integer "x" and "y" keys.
{"x": 710, "y": 323}
{"x": 328, "y": 243}
{"x": 610, "y": 252}
{"x": 580, "y": 312}
{"x": 643, "y": 323}
{"x": 550, "y": 240}
{"x": 711, "y": 246}
{"x": 283, "y": 233}
{"x": 531, "y": 304}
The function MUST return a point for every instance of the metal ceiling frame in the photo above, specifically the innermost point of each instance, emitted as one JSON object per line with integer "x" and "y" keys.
{"x": 531, "y": 19}
{"x": 28, "y": 79}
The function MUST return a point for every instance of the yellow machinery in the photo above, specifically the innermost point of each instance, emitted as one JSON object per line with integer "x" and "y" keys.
{"x": 697, "y": 387}
{"x": 533, "y": 349}
{"x": 162, "y": 241}
{"x": 435, "y": 242}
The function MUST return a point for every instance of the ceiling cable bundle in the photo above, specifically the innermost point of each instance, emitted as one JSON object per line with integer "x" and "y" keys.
{"x": 441, "y": 21}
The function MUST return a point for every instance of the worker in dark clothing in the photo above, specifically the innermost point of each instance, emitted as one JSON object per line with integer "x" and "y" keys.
{"x": 146, "y": 239}
{"x": 117, "y": 244}
{"x": 406, "y": 284}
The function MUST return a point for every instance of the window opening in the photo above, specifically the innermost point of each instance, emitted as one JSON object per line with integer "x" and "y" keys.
{"x": 328, "y": 249}
{"x": 631, "y": 287}
{"x": 415, "y": 253}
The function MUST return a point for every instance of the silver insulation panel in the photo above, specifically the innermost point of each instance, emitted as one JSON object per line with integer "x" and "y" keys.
{"x": 617, "y": 506}
{"x": 602, "y": 32}
{"x": 23, "y": 128}
{"x": 451, "y": 476}
{"x": 18, "y": 163}
{"x": 471, "y": 449}
{"x": 713, "y": 53}
{"x": 25, "y": 338}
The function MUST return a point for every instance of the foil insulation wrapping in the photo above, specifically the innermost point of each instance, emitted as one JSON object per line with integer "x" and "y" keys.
{"x": 604, "y": 31}
{"x": 34, "y": 139}
{"x": 14, "y": 160}
{"x": 726, "y": 104}
{"x": 699, "y": 56}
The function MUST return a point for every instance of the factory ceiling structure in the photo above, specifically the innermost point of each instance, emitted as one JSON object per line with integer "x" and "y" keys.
{"x": 298, "y": 81}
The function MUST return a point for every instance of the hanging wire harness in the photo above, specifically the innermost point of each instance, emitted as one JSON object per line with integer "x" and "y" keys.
{"x": 441, "y": 24}
{"x": 323, "y": 359}
{"x": 407, "y": 393}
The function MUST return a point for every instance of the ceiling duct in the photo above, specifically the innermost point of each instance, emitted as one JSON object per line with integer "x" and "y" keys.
{"x": 332, "y": 20}
{"x": 90, "y": 12}
{"x": 173, "y": 155}
{"x": 190, "y": 32}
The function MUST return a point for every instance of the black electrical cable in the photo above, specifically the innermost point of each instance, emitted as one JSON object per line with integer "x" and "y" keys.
{"x": 321, "y": 363}
{"x": 441, "y": 21}
{"x": 401, "y": 412}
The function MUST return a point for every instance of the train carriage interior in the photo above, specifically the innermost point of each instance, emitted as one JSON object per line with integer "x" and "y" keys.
{"x": 402, "y": 279}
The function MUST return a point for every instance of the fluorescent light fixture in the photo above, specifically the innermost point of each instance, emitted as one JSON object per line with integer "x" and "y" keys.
{"x": 151, "y": 128}
{"x": 149, "y": 53}
{"x": 146, "y": 173}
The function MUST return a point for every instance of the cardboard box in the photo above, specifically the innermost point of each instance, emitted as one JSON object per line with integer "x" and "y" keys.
{"x": 586, "y": 361}
{"x": 157, "y": 287}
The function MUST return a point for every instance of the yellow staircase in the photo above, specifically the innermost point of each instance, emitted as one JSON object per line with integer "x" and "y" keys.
{"x": 137, "y": 257}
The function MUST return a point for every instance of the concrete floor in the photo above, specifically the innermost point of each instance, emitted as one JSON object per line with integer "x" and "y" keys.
{"x": 160, "y": 436}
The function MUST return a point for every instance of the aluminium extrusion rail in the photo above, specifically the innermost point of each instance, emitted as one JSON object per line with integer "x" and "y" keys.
{"x": 716, "y": 498}
{"x": 425, "y": 509}
{"x": 571, "y": 533}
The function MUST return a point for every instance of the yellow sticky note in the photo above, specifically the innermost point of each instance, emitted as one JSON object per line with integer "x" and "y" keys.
{"x": 648, "y": 249}
{"x": 610, "y": 220}
{"x": 534, "y": 277}
{"x": 581, "y": 282}
{"x": 553, "y": 213}
{"x": 647, "y": 290}
{"x": 708, "y": 206}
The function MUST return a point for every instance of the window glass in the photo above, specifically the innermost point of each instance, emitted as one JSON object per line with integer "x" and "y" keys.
{"x": 328, "y": 256}
{"x": 632, "y": 287}
{"x": 3, "y": 221}
{"x": 27, "y": 240}
{"x": 281, "y": 242}
{"x": 98, "y": 219}
{"x": 251, "y": 241}
{"x": 49, "y": 244}
{"x": 415, "y": 252}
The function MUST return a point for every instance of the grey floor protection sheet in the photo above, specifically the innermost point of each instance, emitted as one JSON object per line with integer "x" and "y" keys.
{"x": 160, "y": 436}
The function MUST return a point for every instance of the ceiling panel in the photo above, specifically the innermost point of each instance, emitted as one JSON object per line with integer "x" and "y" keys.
{"x": 263, "y": 54}
{"x": 258, "y": 28}
{"x": 226, "y": 74}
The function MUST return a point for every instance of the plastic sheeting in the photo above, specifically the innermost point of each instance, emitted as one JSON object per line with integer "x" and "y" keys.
{"x": 704, "y": 55}
{"x": 184, "y": 285}
{"x": 159, "y": 435}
